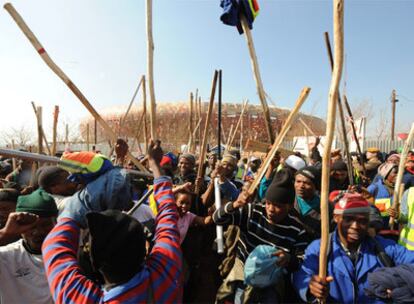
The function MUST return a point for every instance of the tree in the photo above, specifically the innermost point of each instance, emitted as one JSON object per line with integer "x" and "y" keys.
{"x": 22, "y": 136}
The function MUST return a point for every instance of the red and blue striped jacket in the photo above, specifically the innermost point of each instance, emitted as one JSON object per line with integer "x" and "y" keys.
{"x": 162, "y": 267}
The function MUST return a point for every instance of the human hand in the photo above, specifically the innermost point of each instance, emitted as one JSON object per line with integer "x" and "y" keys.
{"x": 393, "y": 212}
{"x": 284, "y": 258}
{"x": 243, "y": 198}
{"x": 319, "y": 287}
{"x": 121, "y": 148}
{"x": 155, "y": 152}
{"x": 19, "y": 222}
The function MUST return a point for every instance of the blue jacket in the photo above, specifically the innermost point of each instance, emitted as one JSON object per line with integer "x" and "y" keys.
{"x": 349, "y": 281}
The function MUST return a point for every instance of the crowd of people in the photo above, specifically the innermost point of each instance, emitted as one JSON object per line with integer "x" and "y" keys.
{"x": 92, "y": 230}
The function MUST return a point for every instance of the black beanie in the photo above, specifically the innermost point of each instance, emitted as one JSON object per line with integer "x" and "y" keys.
{"x": 118, "y": 244}
{"x": 9, "y": 195}
{"x": 339, "y": 165}
{"x": 313, "y": 173}
{"x": 277, "y": 193}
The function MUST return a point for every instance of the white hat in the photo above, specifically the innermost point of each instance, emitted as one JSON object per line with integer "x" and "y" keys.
{"x": 295, "y": 162}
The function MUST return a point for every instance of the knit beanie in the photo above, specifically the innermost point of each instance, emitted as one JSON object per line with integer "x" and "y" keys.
{"x": 281, "y": 194}
{"x": 295, "y": 162}
{"x": 189, "y": 157}
{"x": 8, "y": 195}
{"x": 313, "y": 173}
{"x": 394, "y": 158}
{"x": 385, "y": 169}
{"x": 38, "y": 202}
{"x": 231, "y": 159}
{"x": 118, "y": 243}
{"x": 352, "y": 204}
{"x": 339, "y": 165}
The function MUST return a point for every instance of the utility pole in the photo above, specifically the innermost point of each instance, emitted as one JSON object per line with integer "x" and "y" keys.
{"x": 394, "y": 100}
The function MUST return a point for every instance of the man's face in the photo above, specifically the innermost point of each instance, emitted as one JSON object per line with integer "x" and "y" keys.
{"x": 5, "y": 209}
{"x": 64, "y": 187}
{"x": 228, "y": 169}
{"x": 304, "y": 187}
{"x": 392, "y": 176}
{"x": 254, "y": 165}
{"x": 352, "y": 228}
{"x": 410, "y": 164}
{"x": 185, "y": 166}
{"x": 276, "y": 212}
{"x": 35, "y": 237}
{"x": 339, "y": 175}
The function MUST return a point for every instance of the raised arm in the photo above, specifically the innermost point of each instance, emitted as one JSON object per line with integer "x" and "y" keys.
{"x": 66, "y": 282}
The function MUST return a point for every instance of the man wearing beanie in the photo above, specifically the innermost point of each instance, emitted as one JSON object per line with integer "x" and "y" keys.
{"x": 352, "y": 256}
{"x": 268, "y": 222}
{"x": 307, "y": 200}
{"x": 22, "y": 274}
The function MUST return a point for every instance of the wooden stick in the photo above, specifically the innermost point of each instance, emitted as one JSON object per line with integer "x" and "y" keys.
{"x": 54, "y": 136}
{"x": 87, "y": 137}
{"x": 38, "y": 113}
{"x": 123, "y": 119}
{"x": 238, "y": 122}
{"x": 341, "y": 115}
{"x": 279, "y": 139}
{"x": 150, "y": 70}
{"x": 190, "y": 124}
{"x": 203, "y": 149}
{"x": 197, "y": 127}
{"x": 257, "y": 77}
{"x": 351, "y": 117}
{"x": 401, "y": 169}
{"x": 144, "y": 112}
{"x": 228, "y": 138}
{"x": 14, "y": 159}
{"x": 52, "y": 65}
{"x": 338, "y": 20}
{"x": 201, "y": 117}
{"x": 41, "y": 132}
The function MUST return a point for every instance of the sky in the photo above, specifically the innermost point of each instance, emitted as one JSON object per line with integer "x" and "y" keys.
{"x": 101, "y": 46}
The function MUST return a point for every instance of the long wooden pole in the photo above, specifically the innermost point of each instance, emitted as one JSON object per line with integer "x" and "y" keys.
{"x": 200, "y": 114}
{"x": 219, "y": 117}
{"x": 144, "y": 112}
{"x": 123, "y": 119}
{"x": 341, "y": 115}
{"x": 229, "y": 137}
{"x": 150, "y": 70}
{"x": 54, "y": 135}
{"x": 351, "y": 118}
{"x": 393, "y": 101}
{"x": 87, "y": 137}
{"x": 14, "y": 163}
{"x": 52, "y": 65}
{"x": 279, "y": 139}
{"x": 348, "y": 108}
{"x": 232, "y": 136}
{"x": 190, "y": 124}
{"x": 203, "y": 149}
{"x": 338, "y": 24}
{"x": 401, "y": 169}
{"x": 41, "y": 132}
{"x": 257, "y": 77}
